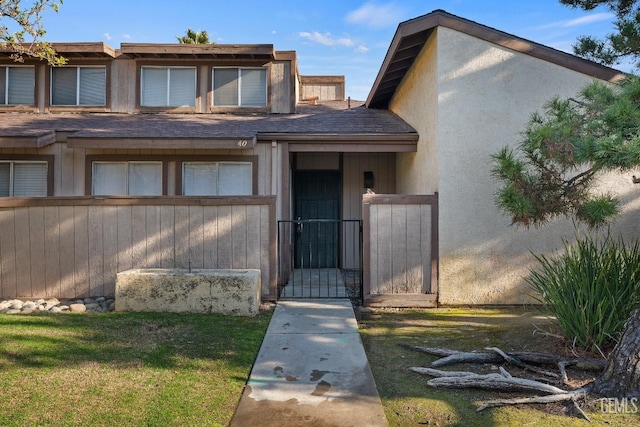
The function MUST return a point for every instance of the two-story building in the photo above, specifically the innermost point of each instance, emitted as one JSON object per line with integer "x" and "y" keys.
{"x": 217, "y": 156}
{"x": 176, "y": 156}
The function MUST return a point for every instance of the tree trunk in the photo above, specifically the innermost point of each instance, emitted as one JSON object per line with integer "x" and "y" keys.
{"x": 621, "y": 378}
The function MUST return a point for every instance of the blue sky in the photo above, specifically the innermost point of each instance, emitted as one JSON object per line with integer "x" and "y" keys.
{"x": 331, "y": 37}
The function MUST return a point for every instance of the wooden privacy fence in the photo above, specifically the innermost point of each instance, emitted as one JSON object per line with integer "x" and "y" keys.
{"x": 73, "y": 247}
{"x": 400, "y": 250}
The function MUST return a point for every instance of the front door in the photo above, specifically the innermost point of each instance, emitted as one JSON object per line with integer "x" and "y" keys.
{"x": 317, "y": 197}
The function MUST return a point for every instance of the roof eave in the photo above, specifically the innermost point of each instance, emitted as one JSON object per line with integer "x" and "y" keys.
{"x": 414, "y": 33}
{"x": 199, "y": 51}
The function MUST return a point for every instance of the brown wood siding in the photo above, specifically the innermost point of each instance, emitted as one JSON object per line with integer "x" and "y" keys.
{"x": 354, "y": 165}
{"x": 72, "y": 178}
{"x": 400, "y": 247}
{"x": 74, "y": 247}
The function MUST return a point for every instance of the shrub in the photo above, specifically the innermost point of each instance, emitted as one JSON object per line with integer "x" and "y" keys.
{"x": 591, "y": 288}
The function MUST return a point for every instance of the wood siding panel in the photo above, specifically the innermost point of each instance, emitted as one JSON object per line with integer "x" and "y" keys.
{"x": 36, "y": 248}
{"x": 110, "y": 240}
{"x": 414, "y": 261}
{"x": 210, "y": 246}
{"x": 67, "y": 252}
{"x": 139, "y": 236}
{"x": 8, "y": 254}
{"x": 239, "y": 236}
{"x": 96, "y": 252}
{"x": 167, "y": 248}
{"x": 52, "y": 251}
{"x": 225, "y": 237}
{"x": 398, "y": 238}
{"x": 125, "y": 251}
{"x": 23, "y": 253}
{"x": 400, "y": 249}
{"x": 196, "y": 236}
{"x": 154, "y": 237}
{"x": 181, "y": 237}
{"x": 74, "y": 247}
{"x": 81, "y": 251}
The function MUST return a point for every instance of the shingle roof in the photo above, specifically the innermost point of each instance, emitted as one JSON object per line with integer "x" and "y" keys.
{"x": 332, "y": 118}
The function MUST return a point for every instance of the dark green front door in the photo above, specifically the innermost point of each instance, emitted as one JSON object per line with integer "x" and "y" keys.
{"x": 317, "y": 196}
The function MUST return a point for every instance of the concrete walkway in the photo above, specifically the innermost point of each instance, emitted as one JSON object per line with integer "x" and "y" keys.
{"x": 311, "y": 371}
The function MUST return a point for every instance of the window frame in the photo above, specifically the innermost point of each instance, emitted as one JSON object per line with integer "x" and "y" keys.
{"x": 7, "y": 85}
{"x": 91, "y": 159}
{"x": 239, "y": 105}
{"x": 168, "y": 88}
{"x": 48, "y": 159}
{"x": 253, "y": 160}
{"x": 77, "y": 105}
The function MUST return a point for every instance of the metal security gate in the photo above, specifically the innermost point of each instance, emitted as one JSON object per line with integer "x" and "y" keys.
{"x": 320, "y": 258}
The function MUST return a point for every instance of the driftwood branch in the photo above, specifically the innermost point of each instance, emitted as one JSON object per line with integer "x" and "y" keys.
{"x": 521, "y": 364}
{"x": 505, "y": 381}
{"x": 500, "y": 382}
{"x": 453, "y": 357}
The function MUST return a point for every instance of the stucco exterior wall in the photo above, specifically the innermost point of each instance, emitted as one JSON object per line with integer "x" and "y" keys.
{"x": 416, "y": 101}
{"x": 485, "y": 95}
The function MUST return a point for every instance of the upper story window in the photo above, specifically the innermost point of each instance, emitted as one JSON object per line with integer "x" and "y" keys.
{"x": 23, "y": 178}
{"x": 127, "y": 178}
{"x": 17, "y": 85}
{"x": 168, "y": 86}
{"x": 217, "y": 178}
{"x": 239, "y": 87}
{"x": 78, "y": 86}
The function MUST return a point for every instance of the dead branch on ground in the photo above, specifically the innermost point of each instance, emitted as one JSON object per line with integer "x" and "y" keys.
{"x": 505, "y": 381}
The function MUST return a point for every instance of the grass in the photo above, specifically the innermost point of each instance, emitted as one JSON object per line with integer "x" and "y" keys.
{"x": 148, "y": 369}
{"x": 409, "y": 401}
{"x": 125, "y": 369}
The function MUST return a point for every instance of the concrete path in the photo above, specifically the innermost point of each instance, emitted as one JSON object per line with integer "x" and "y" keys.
{"x": 311, "y": 371}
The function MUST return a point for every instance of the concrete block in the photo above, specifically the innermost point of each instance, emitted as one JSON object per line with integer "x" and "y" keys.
{"x": 234, "y": 292}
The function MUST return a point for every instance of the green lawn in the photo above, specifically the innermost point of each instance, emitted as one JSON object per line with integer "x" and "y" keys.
{"x": 124, "y": 369}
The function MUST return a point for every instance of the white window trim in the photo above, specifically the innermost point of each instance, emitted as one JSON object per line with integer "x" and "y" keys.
{"x": 168, "y": 83}
{"x": 239, "y": 80}
{"x": 77, "y": 103}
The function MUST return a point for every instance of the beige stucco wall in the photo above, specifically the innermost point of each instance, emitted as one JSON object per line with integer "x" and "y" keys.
{"x": 475, "y": 99}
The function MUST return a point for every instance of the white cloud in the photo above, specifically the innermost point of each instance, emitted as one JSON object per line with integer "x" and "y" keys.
{"x": 376, "y": 15}
{"x": 326, "y": 39}
{"x": 362, "y": 49}
{"x": 585, "y": 20}
{"x": 126, "y": 36}
{"x": 107, "y": 36}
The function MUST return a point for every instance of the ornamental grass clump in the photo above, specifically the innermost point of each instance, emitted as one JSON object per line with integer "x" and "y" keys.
{"x": 591, "y": 288}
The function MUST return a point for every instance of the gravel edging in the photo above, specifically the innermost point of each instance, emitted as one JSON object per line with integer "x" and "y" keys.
{"x": 53, "y": 305}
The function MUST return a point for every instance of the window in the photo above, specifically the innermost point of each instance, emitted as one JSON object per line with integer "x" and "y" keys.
{"x": 23, "y": 179}
{"x": 17, "y": 85}
{"x": 78, "y": 86}
{"x": 244, "y": 87}
{"x": 168, "y": 86}
{"x": 217, "y": 178}
{"x": 127, "y": 178}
